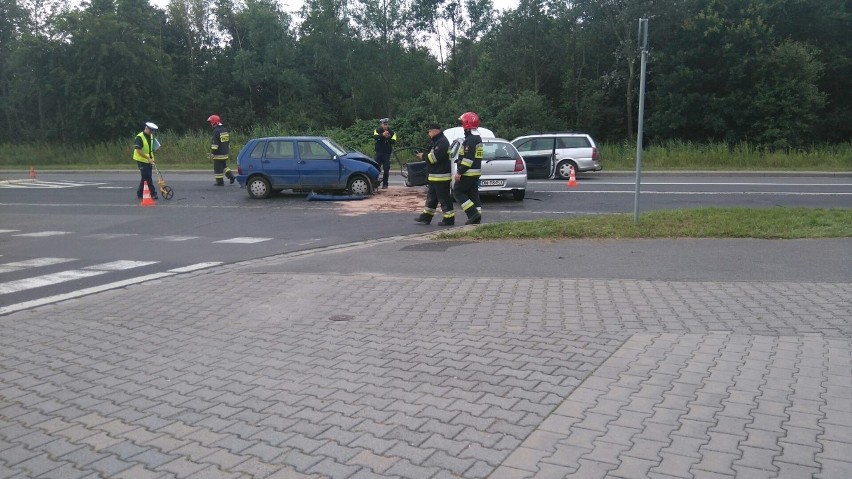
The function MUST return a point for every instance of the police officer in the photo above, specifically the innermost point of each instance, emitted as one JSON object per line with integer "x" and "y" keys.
{"x": 469, "y": 169}
{"x": 219, "y": 151}
{"x": 143, "y": 154}
{"x": 385, "y": 138}
{"x": 440, "y": 175}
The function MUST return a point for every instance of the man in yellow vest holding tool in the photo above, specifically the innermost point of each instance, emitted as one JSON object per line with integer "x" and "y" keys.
{"x": 143, "y": 153}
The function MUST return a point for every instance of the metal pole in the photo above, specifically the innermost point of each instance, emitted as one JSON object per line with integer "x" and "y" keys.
{"x": 643, "y": 44}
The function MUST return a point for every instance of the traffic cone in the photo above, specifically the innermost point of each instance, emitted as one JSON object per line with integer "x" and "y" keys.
{"x": 32, "y": 173}
{"x": 572, "y": 178}
{"x": 146, "y": 196}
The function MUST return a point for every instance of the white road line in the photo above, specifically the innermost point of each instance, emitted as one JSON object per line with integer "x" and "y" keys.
{"x": 98, "y": 289}
{"x": 195, "y": 267}
{"x": 645, "y": 192}
{"x": 69, "y": 275}
{"x": 119, "y": 265}
{"x": 80, "y": 292}
{"x": 244, "y": 240}
{"x": 8, "y": 231}
{"x": 32, "y": 263}
{"x": 29, "y": 183}
{"x": 46, "y": 280}
{"x": 108, "y": 236}
{"x": 42, "y": 234}
{"x": 699, "y": 183}
{"x": 174, "y": 238}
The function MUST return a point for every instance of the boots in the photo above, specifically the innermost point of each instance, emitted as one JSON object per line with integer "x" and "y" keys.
{"x": 475, "y": 219}
{"x": 423, "y": 218}
{"x": 448, "y": 221}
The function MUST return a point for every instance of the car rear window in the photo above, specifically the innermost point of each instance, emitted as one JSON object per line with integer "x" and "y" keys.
{"x": 257, "y": 151}
{"x": 491, "y": 151}
{"x": 573, "y": 142}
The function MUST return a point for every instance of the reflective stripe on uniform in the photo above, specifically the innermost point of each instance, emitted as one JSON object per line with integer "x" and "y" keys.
{"x": 440, "y": 176}
{"x": 467, "y": 205}
{"x": 472, "y": 172}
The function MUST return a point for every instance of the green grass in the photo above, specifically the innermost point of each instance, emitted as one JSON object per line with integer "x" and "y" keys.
{"x": 769, "y": 223}
{"x": 189, "y": 151}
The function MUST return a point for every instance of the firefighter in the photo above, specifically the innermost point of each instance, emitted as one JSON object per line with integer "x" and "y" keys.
{"x": 469, "y": 169}
{"x": 438, "y": 166}
{"x": 143, "y": 153}
{"x": 219, "y": 151}
{"x": 385, "y": 138}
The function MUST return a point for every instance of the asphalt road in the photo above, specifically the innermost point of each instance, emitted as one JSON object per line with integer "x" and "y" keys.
{"x": 92, "y": 224}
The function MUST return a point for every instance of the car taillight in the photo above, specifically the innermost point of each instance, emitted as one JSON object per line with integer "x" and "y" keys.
{"x": 595, "y": 153}
{"x": 239, "y": 170}
{"x": 519, "y": 164}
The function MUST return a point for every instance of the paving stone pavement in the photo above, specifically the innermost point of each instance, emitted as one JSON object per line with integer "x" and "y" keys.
{"x": 500, "y": 377}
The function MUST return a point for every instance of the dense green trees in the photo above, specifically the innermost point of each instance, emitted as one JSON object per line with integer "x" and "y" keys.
{"x": 775, "y": 73}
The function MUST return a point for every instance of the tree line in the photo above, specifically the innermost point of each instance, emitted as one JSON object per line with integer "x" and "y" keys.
{"x": 773, "y": 73}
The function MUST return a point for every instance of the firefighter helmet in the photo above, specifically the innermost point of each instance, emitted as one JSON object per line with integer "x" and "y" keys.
{"x": 214, "y": 120}
{"x": 469, "y": 120}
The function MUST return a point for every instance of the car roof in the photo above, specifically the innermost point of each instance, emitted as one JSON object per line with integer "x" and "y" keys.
{"x": 457, "y": 132}
{"x": 292, "y": 138}
{"x": 553, "y": 133}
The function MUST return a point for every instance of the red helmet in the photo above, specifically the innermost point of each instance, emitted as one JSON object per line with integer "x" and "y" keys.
{"x": 469, "y": 120}
{"x": 214, "y": 120}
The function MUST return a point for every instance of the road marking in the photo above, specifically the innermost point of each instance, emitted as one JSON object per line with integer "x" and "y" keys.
{"x": 46, "y": 280}
{"x": 690, "y": 183}
{"x": 174, "y": 238}
{"x": 195, "y": 267}
{"x": 8, "y": 231}
{"x": 243, "y": 240}
{"x": 42, "y": 234}
{"x": 29, "y": 183}
{"x": 645, "y": 192}
{"x": 32, "y": 263}
{"x": 108, "y": 236}
{"x": 101, "y": 288}
{"x": 119, "y": 265}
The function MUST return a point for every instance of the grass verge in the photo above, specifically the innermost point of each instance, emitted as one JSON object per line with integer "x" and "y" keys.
{"x": 769, "y": 223}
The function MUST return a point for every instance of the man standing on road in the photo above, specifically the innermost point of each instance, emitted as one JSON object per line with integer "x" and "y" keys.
{"x": 438, "y": 166}
{"x": 219, "y": 153}
{"x": 385, "y": 138}
{"x": 143, "y": 154}
{"x": 469, "y": 169}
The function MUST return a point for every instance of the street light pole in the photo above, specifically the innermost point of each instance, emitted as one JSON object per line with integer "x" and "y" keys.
{"x": 643, "y": 44}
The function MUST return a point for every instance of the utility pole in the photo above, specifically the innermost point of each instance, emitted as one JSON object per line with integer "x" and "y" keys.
{"x": 643, "y": 45}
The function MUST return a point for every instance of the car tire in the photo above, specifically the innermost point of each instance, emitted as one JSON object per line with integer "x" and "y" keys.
{"x": 258, "y": 187}
{"x": 359, "y": 185}
{"x": 563, "y": 172}
{"x": 518, "y": 195}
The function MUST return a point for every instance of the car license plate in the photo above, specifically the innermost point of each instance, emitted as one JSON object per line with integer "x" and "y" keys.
{"x": 491, "y": 182}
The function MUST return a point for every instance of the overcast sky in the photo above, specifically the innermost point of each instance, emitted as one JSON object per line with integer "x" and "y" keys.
{"x": 293, "y": 6}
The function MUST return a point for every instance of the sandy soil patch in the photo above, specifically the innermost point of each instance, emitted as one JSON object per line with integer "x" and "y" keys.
{"x": 394, "y": 199}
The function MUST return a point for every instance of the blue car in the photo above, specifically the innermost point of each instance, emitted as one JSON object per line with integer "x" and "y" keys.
{"x": 304, "y": 163}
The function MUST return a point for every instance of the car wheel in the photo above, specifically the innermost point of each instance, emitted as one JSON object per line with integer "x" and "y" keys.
{"x": 518, "y": 195}
{"x": 563, "y": 169}
{"x": 258, "y": 187}
{"x": 359, "y": 185}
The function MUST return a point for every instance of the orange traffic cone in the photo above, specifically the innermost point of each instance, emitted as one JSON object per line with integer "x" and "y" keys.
{"x": 32, "y": 173}
{"x": 572, "y": 178}
{"x": 146, "y": 196}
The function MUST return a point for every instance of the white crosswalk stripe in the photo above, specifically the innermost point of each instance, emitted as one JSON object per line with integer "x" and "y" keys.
{"x": 70, "y": 275}
{"x": 244, "y": 240}
{"x": 42, "y": 234}
{"x": 30, "y": 183}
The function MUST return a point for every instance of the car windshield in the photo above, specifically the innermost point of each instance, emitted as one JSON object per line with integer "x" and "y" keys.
{"x": 334, "y": 147}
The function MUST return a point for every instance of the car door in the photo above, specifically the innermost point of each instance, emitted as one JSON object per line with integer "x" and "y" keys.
{"x": 538, "y": 155}
{"x": 280, "y": 164}
{"x": 318, "y": 167}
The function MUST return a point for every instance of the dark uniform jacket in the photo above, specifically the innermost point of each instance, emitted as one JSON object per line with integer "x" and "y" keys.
{"x": 438, "y": 160}
{"x": 384, "y": 146}
{"x": 221, "y": 140}
{"x": 470, "y": 161}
